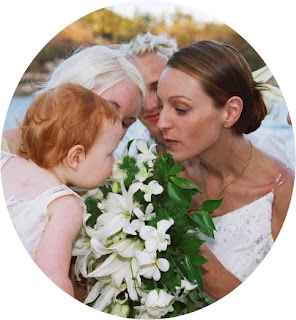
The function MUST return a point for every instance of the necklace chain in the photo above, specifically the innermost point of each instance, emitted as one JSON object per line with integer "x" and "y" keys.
{"x": 232, "y": 181}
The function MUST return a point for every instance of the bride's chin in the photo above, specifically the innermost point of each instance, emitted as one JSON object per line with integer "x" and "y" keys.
{"x": 178, "y": 158}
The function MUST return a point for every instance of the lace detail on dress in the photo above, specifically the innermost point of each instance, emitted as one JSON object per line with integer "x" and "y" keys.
{"x": 243, "y": 237}
{"x": 30, "y": 217}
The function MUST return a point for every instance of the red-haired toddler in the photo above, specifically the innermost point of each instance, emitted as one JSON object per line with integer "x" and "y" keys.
{"x": 68, "y": 137}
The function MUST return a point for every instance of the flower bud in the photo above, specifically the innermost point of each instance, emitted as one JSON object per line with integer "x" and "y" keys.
{"x": 121, "y": 310}
{"x": 115, "y": 187}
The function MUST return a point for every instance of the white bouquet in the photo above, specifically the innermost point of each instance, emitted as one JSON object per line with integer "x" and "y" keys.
{"x": 138, "y": 248}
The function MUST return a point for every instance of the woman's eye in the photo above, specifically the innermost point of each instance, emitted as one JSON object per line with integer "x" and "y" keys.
{"x": 160, "y": 107}
{"x": 181, "y": 111}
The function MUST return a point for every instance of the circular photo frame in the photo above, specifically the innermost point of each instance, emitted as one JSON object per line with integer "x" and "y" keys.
{"x": 206, "y": 131}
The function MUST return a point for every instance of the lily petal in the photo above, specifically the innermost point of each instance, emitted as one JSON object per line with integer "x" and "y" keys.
{"x": 163, "y": 264}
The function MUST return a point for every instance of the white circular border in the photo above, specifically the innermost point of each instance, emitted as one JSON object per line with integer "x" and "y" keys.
{"x": 26, "y": 26}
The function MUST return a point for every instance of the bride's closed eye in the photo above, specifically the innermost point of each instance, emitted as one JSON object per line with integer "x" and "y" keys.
{"x": 181, "y": 110}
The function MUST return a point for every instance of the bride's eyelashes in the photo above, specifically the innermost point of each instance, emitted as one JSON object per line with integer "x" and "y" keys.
{"x": 181, "y": 110}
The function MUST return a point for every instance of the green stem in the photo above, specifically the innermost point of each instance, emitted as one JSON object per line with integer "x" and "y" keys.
{"x": 175, "y": 265}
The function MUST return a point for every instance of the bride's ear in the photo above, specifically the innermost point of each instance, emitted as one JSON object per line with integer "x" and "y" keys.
{"x": 233, "y": 109}
{"x": 76, "y": 155}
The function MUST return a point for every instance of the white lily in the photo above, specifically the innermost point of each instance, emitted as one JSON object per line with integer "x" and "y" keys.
{"x": 118, "y": 236}
{"x": 95, "y": 290}
{"x": 272, "y": 94}
{"x": 127, "y": 248}
{"x": 156, "y": 238}
{"x": 156, "y": 304}
{"x": 148, "y": 215}
{"x": 81, "y": 245}
{"x": 99, "y": 249}
{"x": 150, "y": 266}
{"x": 153, "y": 188}
{"x": 108, "y": 294}
{"x": 186, "y": 285}
{"x": 143, "y": 174}
{"x": 119, "y": 210}
{"x": 81, "y": 264}
{"x": 94, "y": 193}
{"x": 128, "y": 273}
{"x": 146, "y": 154}
{"x": 121, "y": 265}
{"x": 120, "y": 309}
{"x": 117, "y": 173}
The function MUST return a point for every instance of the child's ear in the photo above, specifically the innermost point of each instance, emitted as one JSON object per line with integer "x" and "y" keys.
{"x": 233, "y": 110}
{"x": 76, "y": 155}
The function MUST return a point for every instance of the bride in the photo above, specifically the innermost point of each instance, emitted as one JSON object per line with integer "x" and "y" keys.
{"x": 208, "y": 101}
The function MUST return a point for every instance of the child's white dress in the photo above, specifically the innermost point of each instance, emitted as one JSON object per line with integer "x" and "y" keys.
{"x": 30, "y": 217}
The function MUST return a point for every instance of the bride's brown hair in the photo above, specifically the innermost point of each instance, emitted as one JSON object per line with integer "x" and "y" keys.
{"x": 61, "y": 118}
{"x": 223, "y": 73}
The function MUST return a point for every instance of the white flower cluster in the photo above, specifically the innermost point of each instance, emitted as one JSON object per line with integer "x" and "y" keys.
{"x": 121, "y": 249}
{"x": 271, "y": 94}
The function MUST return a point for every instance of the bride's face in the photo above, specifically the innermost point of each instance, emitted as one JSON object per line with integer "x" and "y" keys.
{"x": 188, "y": 120}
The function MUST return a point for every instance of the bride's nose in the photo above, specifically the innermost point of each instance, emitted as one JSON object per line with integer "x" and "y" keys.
{"x": 164, "y": 121}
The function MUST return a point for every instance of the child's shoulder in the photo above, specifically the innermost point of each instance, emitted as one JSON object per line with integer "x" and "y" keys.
{"x": 69, "y": 205}
{"x": 66, "y": 214}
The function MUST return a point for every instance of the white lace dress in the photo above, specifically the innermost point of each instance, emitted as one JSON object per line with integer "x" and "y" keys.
{"x": 243, "y": 237}
{"x": 30, "y": 217}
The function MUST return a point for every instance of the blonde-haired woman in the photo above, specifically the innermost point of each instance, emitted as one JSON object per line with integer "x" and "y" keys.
{"x": 103, "y": 70}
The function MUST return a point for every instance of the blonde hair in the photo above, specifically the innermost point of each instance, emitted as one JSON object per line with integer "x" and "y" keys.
{"x": 97, "y": 66}
{"x": 148, "y": 43}
{"x": 61, "y": 118}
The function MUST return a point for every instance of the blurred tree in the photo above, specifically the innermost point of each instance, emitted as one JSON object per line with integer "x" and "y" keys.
{"x": 106, "y": 27}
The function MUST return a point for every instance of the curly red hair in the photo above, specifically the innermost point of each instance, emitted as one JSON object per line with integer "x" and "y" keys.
{"x": 60, "y": 118}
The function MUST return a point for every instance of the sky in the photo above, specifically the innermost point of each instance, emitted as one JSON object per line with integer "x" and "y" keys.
{"x": 157, "y": 8}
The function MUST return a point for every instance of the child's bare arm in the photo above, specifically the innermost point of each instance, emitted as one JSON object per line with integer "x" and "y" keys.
{"x": 54, "y": 251}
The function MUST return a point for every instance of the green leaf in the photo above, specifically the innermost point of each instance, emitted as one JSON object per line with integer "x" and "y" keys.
{"x": 171, "y": 279}
{"x": 174, "y": 192}
{"x": 129, "y": 144}
{"x": 197, "y": 259}
{"x": 191, "y": 307}
{"x": 193, "y": 273}
{"x": 179, "y": 195}
{"x": 92, "y": 208}
{"x": 208, "y": 220}
{"x": 210, "y": 205}
{"x": 201, "y": 225}
{"x": 175, "y": 169}
{"x": 191, "y": 244}
{"x": 184, "y": 183}
{"x": 162, "y": 167}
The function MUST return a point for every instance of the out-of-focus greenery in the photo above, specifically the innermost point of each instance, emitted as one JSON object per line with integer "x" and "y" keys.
{"x": 106, "y": 27}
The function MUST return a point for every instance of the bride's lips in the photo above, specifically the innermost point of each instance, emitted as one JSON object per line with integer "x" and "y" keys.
{"x": 170, "y": 142}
